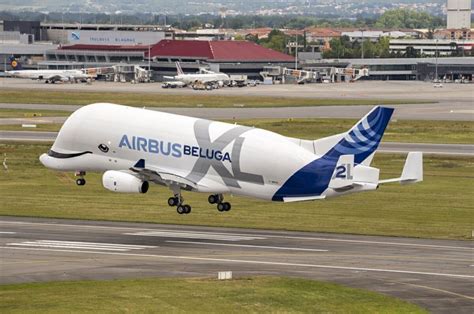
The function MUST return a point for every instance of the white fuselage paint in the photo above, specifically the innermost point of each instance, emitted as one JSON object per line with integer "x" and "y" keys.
{"x": 202, "y": 77}
{"x": 271, "y": 156}
{"x": 48, "y": 74}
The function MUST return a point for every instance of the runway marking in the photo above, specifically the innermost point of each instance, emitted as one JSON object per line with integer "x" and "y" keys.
{"x": 250, "y": 246}
{"x": 7, "y": 232}
{"x": 196, "y": 235}
{"x": 81, "y": 245}
{"x": 236, "y": 261}
{"x": 256, "y": 236}
{"x": 436, "y": 289}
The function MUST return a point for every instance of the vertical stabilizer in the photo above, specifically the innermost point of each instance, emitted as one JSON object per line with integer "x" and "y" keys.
{"x": 363, "y": 139}
{"x": 179, "y": 70}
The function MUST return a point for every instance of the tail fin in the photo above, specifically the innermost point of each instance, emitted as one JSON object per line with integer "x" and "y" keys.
{"x": 15, "y": 64}
{"x": 179, "y": 69}
{"x": 363, "y": 139}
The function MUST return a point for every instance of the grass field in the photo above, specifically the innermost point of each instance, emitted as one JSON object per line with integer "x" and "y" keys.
{"x": 440, "y": 207}
{"x": 26, "y": 113}
{"x": 442, "y": 132}
{"x": 167, "y": 100}
{"x": 246, "y": 295}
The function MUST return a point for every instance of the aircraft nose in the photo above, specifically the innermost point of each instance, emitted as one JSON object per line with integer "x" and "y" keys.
{"x": 47, "y": 161}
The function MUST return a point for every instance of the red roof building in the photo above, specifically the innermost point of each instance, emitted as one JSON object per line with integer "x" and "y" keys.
{"x": 222, "y": 51}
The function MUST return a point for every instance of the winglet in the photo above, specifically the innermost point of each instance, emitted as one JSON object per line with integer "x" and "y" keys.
{"x": 413, "y": 169}
{"x": 140, "y": 164}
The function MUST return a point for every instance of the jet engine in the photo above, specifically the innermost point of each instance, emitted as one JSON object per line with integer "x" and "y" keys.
{"x": 123, "y": 182}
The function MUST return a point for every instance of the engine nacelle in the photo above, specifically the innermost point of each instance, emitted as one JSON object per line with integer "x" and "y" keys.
{"x": 122, "y": 182}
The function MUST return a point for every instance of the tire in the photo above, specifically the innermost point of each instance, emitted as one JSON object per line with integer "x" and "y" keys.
{"x": 172, "y": 201}
{"x": 180, "y": 210}
{"x": 80, "y": 182}
{"x": 212, "y": 199}
{"x": 221, "y": 207}
{"x": 227, "y": 206}
{"x": 187, "y": 209}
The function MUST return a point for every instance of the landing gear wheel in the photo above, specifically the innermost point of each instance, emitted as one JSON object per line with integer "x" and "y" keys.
{"x": 181, "y": 210}
{"x": 221, "y": 207}
{"x": 187, "y": 209}
{"x": 213, "y": 199}
{"x": 80, "y": 181}
{"x": 227, "y": 206}
{"x": 173, "y": 201}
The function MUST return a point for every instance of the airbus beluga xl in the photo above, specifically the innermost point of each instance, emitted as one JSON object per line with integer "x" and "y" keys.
{"x": 134, "y": 147}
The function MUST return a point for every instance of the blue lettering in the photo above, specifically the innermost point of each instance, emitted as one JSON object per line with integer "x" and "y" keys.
{"x": 163, "y": 151}
{"x": 218, "y": 155}
{"x": 141, "y": 144}
{"x": 153, "y": 146}
{"x": 226, "y": 157}
{"x": 187, "y": 150}
{"x": 133, "y": 142}
{"x": 124, "y": 142}
{"x": 195, "y": 150}
{"x": 176, "y": 150}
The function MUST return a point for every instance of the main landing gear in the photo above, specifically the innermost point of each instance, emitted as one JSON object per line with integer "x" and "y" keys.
{"x": 177, "y": 201}
{"x": 218, "y": 199}
{"x": 80, "y": 178}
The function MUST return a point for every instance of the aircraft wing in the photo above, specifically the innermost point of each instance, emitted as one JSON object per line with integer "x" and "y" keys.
{"x": 161, "y": 176}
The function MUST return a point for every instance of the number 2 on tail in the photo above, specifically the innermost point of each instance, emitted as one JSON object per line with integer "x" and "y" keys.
{"x": 343, "y": 172}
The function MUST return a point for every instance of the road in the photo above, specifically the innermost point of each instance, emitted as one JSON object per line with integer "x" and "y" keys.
{"x": 435, "y": 274}
{"x": 453, "y": 111}
{"x": 387, "y": 147}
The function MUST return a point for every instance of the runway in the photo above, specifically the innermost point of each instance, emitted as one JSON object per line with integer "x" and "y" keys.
{"x": 386, "y": 147}
{"x": 436, "y": 274}
{"x": 448, "y": 110}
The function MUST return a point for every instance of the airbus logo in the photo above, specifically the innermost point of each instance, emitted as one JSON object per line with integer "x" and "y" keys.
{"x": 177, "y": 150}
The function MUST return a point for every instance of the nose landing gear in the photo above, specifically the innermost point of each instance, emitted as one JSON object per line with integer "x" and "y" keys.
{"x": 80, "y": 178}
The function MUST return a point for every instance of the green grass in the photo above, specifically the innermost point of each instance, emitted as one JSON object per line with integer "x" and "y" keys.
{"x": 50, "y": 127}
{"x": 440, "y": 207}
{"x": 246, "y": 295}
{"x": 27, "y": 113}
{"x": 442, "y": 132}
{"x": 168, "y": 100}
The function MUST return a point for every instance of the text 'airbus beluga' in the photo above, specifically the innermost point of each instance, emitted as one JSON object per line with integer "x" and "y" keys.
{"x": 135, "y": 146}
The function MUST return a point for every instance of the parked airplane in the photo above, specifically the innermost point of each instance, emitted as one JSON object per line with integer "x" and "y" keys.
{"x": 135, "y": 146}
{"x": 49, "y": 76}
{"x": 208, "y": 78}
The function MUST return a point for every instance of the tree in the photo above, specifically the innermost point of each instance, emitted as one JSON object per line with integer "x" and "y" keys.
{"x": 403, "y": 18}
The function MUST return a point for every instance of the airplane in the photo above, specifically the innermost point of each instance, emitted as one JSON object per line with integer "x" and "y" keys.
{"x": 49, "y": 76}
{"x": 208, "y": 78}
{"x": 134, "y": 147}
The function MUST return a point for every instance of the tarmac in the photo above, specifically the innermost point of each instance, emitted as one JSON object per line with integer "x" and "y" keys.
{"x": 415, "y": 90}
{"x": 435, "y": 274}
{"x": 461, "y": 111}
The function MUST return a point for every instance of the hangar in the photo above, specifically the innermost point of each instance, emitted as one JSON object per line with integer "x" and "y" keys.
{"x": 231, "y": 57}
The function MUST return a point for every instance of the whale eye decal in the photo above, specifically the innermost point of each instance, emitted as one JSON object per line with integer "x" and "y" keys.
{"x": 103, "y": 148}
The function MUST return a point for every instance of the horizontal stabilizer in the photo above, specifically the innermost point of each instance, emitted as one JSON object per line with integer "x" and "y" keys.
{"x": 412, "y": 170}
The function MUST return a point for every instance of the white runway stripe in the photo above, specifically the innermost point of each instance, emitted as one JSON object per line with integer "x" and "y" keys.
{"x": 256, "y": 262}
{"x": 196, "y": 235}
{"x": 81, "y": 245}
{"x": 7, "y": 232}
{"x": 251, "y": 246}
